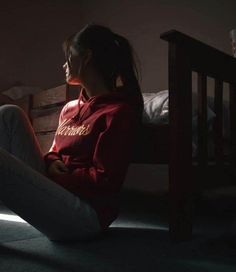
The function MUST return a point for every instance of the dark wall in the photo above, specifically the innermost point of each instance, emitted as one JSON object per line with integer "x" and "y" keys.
{"x": 31, "y": 36}
{"x": 143, "y": 22}
{"x": 32, "y": 33}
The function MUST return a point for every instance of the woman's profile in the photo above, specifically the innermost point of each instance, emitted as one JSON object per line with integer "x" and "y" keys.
{"x": 72, "y": 191}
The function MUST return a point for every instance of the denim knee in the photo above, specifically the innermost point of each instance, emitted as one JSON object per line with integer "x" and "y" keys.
{"x": 11, "y": 109}
{"x": 10, "y": 113}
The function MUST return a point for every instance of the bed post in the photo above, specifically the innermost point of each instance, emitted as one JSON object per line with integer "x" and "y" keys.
{"x": 233, "y": 125}
{"x": 180, "y": 160}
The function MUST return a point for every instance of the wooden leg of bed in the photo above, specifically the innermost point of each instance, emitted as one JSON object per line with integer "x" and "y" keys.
{"x": 180, "y": 156}
{"x": 180, "y": 224}
{"x": 180, "y": 201}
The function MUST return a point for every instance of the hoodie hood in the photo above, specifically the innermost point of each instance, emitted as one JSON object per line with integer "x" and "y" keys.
{"x": 85, "y": 103}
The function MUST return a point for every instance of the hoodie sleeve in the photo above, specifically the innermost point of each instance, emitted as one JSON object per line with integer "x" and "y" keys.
{"x": 53, "y": 154}
{"x": 110, "y": 161}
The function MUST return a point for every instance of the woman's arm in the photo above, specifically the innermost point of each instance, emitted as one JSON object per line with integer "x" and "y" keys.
{"x": 110, "y": 161}
{"x": 53, "y": 154}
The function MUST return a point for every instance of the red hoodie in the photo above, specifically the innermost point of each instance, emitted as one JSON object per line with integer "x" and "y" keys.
{"x": 94, "y": 139}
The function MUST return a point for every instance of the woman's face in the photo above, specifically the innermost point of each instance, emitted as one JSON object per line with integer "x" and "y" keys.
{"x": 72, "y": 68}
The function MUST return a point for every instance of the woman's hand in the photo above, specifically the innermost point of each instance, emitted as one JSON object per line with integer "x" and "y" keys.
{"x": 57, "y": 167}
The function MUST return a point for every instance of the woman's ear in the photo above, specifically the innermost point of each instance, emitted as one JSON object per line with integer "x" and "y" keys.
{"x": 119, "y": 82}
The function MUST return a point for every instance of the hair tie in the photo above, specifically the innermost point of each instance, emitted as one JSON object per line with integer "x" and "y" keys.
{"x": 117, "y": 43}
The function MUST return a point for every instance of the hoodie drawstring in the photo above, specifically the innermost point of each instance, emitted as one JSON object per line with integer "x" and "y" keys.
{"x": 78, "y": 115}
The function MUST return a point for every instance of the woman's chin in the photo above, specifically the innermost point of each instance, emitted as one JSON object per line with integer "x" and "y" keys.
{"x": 71, "y": 81}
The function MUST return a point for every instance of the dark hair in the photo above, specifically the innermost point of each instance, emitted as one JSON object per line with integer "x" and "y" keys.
{"x": 112, "y": 56}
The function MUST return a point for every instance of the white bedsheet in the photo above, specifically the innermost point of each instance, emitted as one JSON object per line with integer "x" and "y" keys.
{"x": 156, "y": 111}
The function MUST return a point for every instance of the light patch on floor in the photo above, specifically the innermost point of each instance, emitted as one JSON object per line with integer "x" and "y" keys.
{"x": 139, "y": 225}
{"x": 12, "y": 218}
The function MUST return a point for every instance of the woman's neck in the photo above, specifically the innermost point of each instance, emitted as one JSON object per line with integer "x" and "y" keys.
{"x": 95, "y": 89}
{"x": 93, "y": 83}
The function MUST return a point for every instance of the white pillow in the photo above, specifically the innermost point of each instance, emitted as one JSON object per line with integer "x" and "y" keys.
{"x": 156, "y": 108}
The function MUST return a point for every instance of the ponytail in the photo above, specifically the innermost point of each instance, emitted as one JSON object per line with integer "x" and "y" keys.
{"x": 127, "y": 70}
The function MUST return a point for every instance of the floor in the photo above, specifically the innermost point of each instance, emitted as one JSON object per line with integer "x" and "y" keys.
{"x": 137, "y": 241}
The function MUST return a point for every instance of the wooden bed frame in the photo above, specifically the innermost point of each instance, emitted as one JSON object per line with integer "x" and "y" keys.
{"x": 170, "y": 143}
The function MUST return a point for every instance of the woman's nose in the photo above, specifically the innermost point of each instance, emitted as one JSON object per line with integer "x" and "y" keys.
{"x": 65, "y": 65}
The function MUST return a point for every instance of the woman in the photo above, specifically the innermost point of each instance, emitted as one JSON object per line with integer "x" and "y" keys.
{"x": 72, "y": 192}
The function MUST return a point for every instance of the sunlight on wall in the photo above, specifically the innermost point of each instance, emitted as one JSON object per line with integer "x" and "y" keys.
{"x": 13, "y": 218}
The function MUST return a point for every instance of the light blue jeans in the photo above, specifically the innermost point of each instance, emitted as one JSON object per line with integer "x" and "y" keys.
{"x": 24, "y": 188}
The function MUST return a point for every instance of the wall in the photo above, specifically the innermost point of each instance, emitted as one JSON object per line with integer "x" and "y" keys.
{"x": 32, "y": 33}
{"x": 142, "y": 22}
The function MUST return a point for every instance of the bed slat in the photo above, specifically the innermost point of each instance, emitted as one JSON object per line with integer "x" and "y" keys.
{"x": 180, "y": 121}
{"x": 45, "y": 140}
{"x": 218, "y": 125}
{"x": 232, "y": 108}
{"x": 46, "y": 123}
{"x": 49, "y": 97}
{"x": 25, "y": 103}
{"x": 202, "y": 120}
